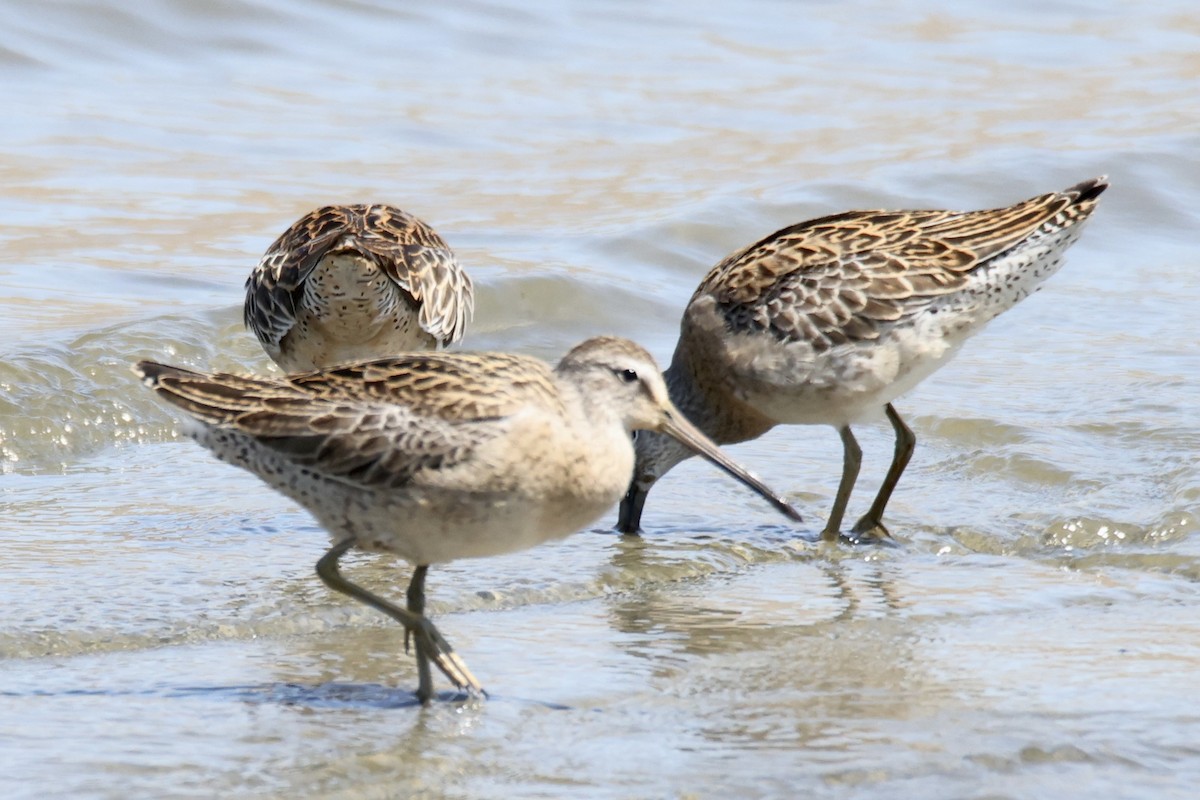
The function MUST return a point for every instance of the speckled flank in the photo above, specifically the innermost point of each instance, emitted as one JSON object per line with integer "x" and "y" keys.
{"x": 348, "y": 283}
{"x": 439, "y": 456}
{"x": 828, "y": 321}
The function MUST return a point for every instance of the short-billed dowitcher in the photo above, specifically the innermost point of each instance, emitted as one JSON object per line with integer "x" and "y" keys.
{"x": 350, "y": 283}
{"x": 438, "y": 456}
{"x": 828, "y": 321}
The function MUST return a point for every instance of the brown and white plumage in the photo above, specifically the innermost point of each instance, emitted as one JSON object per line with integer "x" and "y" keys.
{"x": 348, "y": 283}
{"x": 828, "y": 321}
{"x": 439, "y": 456}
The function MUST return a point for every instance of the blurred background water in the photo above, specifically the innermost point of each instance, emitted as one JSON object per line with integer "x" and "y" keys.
{"x": 1035, "y": 635}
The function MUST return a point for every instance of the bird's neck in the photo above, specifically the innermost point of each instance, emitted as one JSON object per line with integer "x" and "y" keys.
{"x": 710, "y": 401}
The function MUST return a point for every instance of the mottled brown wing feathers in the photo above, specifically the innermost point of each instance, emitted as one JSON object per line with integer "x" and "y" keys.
{"x": 404, "y": 248}
{"x": 272, "y": 288}
{"x": 454, "y": 386}
{"x": 844, "y": 277}
{"x": 378, "y": 423}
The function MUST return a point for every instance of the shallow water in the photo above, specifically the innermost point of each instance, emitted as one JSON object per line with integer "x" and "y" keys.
{"x": 1035, "y": 633}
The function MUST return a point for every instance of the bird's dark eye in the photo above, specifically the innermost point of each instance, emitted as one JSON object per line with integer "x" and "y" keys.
{"x": 628, "y": 375}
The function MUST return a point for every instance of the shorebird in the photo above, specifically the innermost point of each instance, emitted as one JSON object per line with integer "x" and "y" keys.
{"x": 439, "y": 456}
{"x": 828, "y": 321}
{"x": 350, "y": 283}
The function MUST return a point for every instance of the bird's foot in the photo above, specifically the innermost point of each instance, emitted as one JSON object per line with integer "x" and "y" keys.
{"x": 430, "y": 640}
{"x": 869, "y": 531}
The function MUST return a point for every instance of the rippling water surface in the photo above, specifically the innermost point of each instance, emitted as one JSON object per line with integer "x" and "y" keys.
{"x": 1035, "y": 634}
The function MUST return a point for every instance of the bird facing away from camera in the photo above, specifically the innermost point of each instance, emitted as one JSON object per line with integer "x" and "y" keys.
{"x": 351, "y": 283}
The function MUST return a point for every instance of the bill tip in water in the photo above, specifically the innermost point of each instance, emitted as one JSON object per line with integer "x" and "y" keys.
{"x": 787, "y": 509}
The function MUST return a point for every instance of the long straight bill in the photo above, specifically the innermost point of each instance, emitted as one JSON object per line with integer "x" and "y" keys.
{"x": 687, "y": 433}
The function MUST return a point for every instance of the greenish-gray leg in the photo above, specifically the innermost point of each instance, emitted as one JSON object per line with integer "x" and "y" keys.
{"x": 906, "y": 441}
{"x": 851, "y": 462}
